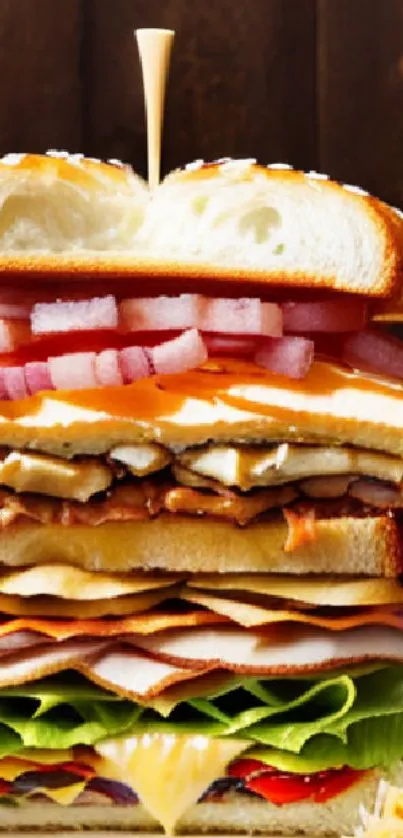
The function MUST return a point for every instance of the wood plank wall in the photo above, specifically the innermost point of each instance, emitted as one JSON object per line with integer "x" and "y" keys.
{"x": 318, "y": 83}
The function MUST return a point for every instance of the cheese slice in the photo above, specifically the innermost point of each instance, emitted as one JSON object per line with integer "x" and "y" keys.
{"x": 169, "y": 772}
{"x": 64, "y": 796}
{"x": 315, "y": 590}
{"x": 249, "y": 615}
{"x": 71, "y": 582}
{"x": 52, "y": 606}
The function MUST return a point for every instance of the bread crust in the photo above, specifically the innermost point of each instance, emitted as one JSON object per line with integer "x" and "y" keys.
{"x": 180, "y": 544}
{"x": 234, "y": 814}
{"x": 135, "y": 263}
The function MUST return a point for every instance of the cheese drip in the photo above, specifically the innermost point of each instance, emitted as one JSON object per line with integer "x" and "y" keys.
{"x": 169, "y": 772}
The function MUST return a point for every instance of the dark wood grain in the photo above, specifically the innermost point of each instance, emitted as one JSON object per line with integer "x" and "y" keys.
{"x": 39, "y": 82}
{"x": 360, "y": 77}
{"x": 242, "y": 80}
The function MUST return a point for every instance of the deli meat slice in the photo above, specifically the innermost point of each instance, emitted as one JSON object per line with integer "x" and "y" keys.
{"x": 133, "y": 674}
{"x": 26, "y": 666}
{"x": 281, "y": 649}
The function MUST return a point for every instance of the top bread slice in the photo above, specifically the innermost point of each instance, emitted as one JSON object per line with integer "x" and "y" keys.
{"x": 229, "y": 221}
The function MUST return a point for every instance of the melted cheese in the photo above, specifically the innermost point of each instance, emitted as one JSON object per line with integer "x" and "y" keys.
{"x": 169, "y": 772}
{"x": 64, "y": 796}
{"x": 53, "y": 476}
{"x": 155, "y": 51}
{"x": 142, "y": 459}
{"x": 248, "y": 466}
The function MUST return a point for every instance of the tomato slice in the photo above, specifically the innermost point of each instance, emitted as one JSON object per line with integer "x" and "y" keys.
{"x": 243, "y": 768}
{"x": 282, "y": 787}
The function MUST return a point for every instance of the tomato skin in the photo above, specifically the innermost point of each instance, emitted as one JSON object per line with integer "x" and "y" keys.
{"x": 243, "y": 768}
{"x": 282, "y": 787}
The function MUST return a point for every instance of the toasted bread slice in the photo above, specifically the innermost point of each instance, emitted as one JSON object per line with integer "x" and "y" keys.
{"x": 234, "y": 221}
{"x": 175, "y": 543}
{"x": 231, "y": 814}
{"x": 242, "y": 402}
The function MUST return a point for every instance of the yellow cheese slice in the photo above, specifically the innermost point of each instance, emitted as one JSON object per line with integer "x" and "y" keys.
{"x": 318, "y": 590}
{"x": 71, "y": 582}
{"x": 169, "y": 772}
{"x": 65, "y": 796}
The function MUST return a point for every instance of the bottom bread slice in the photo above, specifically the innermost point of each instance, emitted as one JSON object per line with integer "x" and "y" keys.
{"x": 234, "y": 813}
{"x": 176, "y": 543}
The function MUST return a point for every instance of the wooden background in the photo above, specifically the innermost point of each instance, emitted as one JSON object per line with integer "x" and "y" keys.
{"x": 318, "y": 83}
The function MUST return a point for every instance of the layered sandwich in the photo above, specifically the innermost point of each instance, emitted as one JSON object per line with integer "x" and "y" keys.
{"x": 201, "y": 470}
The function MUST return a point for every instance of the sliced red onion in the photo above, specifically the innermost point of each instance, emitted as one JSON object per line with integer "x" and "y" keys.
{"x": 107, "y": 368}
{"x": 324, "y": 316}
{"x": 231, "y": 345}
{"x": 14, "y": 382}
{"x": 134, "y": 363}
{"x": 158, "y": 314}
{"x": 75, "y": 371}
{"x": 97, "y": 313}
{"x": 375, "y": 352}
{"x": 37, "y": 377}
{"x": 289, "y": 356}
{"x": 180, "y": 354}
{"x": 242, "y": 316}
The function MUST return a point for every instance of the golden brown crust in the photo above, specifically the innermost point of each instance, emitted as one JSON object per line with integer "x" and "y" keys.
{"x": 93, "y": 175}
{"x": 175, "y": 543}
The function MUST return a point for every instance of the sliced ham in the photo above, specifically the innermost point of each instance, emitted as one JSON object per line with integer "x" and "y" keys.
{"x": 242, "y": 316}
{"x": 324, "y": 316}
{"x": 134, "y": 364}
{"x": 289, "y": 356}
{"x": 180, "y": 354}
{"x": 75, "y": 371}
{"x": 37, "y": 376}
{"x": 156, "y": 314}
{"x": 107, "y": 368}
{"x": 96, "y": 313}
{"x": 374, "y": 351}
{"x": 14, "y": 382}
